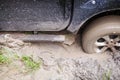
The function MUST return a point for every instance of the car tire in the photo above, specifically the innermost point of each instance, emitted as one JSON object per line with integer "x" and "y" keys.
{"x": 102, "y": 35}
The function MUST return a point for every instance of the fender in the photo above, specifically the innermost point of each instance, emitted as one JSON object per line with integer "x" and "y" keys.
{"x": 84, "y": 10}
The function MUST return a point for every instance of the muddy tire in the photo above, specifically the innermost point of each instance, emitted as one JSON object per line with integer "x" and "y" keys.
{"x": 102, "y": 35}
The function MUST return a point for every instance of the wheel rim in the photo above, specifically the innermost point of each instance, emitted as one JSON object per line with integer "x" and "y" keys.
{"x": 108, "y": 43}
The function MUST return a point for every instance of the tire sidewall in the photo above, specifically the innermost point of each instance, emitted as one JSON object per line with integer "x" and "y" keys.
{"x": 97, "y": 33}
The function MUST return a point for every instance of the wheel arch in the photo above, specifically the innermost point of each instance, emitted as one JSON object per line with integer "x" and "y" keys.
{"x": 96, "y": 16}
{"x": 91, "y": 18}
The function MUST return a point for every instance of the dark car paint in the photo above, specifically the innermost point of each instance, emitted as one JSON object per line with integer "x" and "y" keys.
{"x": 86, "y": 9}
{"x": 50, "y": 15}
{"x": 34, "y": 15}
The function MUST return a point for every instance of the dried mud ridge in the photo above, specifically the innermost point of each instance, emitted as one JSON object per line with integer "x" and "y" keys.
{"x": 54, "y": 68}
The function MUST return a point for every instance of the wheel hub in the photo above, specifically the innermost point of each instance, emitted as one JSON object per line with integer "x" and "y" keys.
{"x": 109, "y": 43}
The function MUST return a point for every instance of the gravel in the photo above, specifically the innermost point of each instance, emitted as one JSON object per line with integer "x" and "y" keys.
{"x": 83, "y": 68}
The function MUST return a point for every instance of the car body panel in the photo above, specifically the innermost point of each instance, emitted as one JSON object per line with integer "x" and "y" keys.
{"x": 51, "y": 15}
{"x": 34, "y": 15}
{"x": 86, "y": 9}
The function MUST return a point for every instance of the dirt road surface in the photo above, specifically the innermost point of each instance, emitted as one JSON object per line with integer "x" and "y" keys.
{"x": 63, "y": 62}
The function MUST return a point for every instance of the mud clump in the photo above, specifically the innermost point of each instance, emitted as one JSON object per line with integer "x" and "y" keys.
{"x": 7, "y": 40}
{"x": 90, "y": 69}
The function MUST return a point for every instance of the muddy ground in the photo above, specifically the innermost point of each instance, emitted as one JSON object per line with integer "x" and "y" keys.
{"x": 60, "y": 62}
